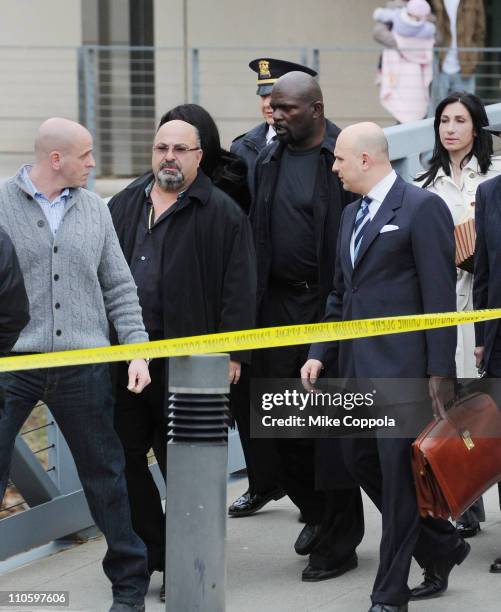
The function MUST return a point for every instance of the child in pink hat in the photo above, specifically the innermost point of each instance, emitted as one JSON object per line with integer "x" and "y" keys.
{"x": 406, "y": 71}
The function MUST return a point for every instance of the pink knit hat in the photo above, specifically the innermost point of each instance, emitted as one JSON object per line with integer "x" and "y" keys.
{"x": 419, "y": 8}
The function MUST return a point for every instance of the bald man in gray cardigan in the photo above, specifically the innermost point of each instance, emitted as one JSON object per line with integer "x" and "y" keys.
{"x": 77, "y": 281}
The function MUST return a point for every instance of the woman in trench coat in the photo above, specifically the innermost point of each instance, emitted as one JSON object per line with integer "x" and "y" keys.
{"x": 462, "y": 159}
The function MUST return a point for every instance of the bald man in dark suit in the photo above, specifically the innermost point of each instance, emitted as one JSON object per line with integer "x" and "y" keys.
{"x": 395, "y": 256}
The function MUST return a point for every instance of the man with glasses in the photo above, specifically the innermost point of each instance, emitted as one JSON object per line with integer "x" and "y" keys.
{"x": 190, "y": 250}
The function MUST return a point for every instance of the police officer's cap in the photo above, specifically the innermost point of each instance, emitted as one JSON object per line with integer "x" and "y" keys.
{"x": 269, "y": 70}
{"x": 495, "y": 129}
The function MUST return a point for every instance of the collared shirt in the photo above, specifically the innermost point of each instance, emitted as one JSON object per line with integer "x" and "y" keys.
{"x": 270, "y": 134}
{"x": 146, "y": 262}
{"x": 378, "y": 193}
{"x": 460, "y": 199}
{"x": 54, "y": 211}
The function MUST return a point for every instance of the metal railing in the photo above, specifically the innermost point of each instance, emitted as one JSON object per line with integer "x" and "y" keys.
{"x": 34, "y": 440}
{"x": 127, "y": 90}
{"x": 50, "y": 504}
{"x": 410, "y": 141}
{"x": 120, "y": 92}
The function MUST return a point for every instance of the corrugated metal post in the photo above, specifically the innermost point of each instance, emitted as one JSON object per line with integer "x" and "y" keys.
{"x": 195, "y": 76}
{"x": 195, "y": 562}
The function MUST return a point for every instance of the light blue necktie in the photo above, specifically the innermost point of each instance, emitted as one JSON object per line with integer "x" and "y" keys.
{"x": 362, "y": 220}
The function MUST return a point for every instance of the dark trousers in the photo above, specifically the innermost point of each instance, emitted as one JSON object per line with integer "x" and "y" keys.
{"x": 494, "y": 371}
{"x": 474, "y": 514}
{"x": 81, "y": 402}
{"x": 291, "y": 459}
{"x": 256, "y": 451}
{"x": 141, "y": 425}
{"x": 342, "y": 529}
{"x": 382, "y": 466}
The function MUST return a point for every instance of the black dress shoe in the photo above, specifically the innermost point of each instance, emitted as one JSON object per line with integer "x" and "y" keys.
{"x": 496, "y": 566}
{"x": 248, "y": 504}
{"x": 315, "y": 574}
{"x": 307, "y": 539}
{"x": 388, "y": 608}
{"x": 468, "y": 530}
{"x": 436, "y": 577}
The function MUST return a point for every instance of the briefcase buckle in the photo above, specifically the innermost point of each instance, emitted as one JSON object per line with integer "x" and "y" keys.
{"x": 468, "y": 442}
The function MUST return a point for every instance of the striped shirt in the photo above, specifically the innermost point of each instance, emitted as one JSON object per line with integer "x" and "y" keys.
{"x": 54, "y": 211}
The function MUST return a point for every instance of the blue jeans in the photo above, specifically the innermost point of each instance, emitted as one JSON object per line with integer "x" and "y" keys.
{"x": 443, "y": 84}
{"x": 81, "y": 402}
{"x": 447, "y": 83}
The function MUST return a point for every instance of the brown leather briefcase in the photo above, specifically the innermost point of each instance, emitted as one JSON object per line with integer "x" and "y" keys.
{"x": 455, "y": 460}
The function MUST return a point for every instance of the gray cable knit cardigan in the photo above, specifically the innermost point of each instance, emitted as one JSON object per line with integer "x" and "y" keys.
{"x": 77, "y": 280}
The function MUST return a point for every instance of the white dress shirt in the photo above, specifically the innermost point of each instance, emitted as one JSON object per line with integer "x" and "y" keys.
{"x": 270, "y": 134}
{"x": 378, "y": 193}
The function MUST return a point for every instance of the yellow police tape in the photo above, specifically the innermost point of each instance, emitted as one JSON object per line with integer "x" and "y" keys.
{"x": 266, "y": 337}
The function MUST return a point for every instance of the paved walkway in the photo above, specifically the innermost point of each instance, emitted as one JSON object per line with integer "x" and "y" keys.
{"x": 264, "y": 572}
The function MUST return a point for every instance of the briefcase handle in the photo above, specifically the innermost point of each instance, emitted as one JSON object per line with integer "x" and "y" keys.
{"x": 478, "y": 397}
{"x": 463, "y": 389}
{"x": 443, "y": 393}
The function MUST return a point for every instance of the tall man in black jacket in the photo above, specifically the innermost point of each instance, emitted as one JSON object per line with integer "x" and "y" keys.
{"x": 295, "y": 219}
{"x": 190, "y": 250}
{"x": 263, "y": 485}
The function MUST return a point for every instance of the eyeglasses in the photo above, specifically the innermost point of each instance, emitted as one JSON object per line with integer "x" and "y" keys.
{"x": 178, "y": 150}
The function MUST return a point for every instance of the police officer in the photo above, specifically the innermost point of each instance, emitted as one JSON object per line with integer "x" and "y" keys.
{"x": 268, "y": 71}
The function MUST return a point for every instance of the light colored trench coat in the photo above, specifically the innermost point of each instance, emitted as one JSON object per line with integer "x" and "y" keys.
{"x": 461, "y": 203}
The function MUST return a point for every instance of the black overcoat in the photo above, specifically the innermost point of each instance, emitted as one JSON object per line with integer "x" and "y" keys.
{"x": 208, "y": 264}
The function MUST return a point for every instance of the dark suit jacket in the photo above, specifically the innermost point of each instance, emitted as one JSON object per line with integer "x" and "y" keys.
{"x": 487, "y": 277}
{"x": 402, "y": 272}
